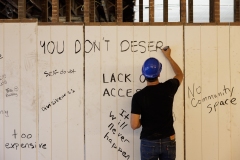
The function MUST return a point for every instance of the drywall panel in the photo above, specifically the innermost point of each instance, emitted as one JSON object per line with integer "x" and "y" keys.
{"x": 93, "y": 94}
{"x": 61, "y": 111}
{"x": 28, "y": 86}
{"x": 75, "y": 110}
{"x": 12, "y": 95}
{"x": 44, "y": 94}
{"x": 211, "y": 92}
{"x": 141, "y": 36}
{"x": 125, "y": 91}
{"x": 234, "y": 91}
{"x": 2, "y": 108}
{"x": 193, "y": 119}
{"x": 209, "y": 87}
{"x": 174, "y": 40}
{"x": 224, "y": 81}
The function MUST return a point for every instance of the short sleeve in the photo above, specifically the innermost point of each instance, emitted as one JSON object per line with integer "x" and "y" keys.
{"x": 173, "y": 85}
{"x": 136, "y": 108}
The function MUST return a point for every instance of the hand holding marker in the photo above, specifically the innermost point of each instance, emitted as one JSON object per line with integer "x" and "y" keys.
{"x": 165, "y": 48}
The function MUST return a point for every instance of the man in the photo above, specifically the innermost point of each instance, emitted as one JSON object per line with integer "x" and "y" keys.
{"x": 154, "y": 104}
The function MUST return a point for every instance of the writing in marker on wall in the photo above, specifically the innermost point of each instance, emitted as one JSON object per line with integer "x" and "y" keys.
{"x": 28, "y": 145}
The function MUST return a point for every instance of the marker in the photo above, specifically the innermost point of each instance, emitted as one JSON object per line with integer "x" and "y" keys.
{"x": 165, "y": 48}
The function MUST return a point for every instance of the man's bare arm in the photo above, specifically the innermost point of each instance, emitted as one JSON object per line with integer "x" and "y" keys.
{"x": 135, "y": 121}
{"x": 177, "y": 70}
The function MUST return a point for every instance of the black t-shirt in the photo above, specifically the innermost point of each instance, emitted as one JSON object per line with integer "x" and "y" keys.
{"x": 154, "y": 104}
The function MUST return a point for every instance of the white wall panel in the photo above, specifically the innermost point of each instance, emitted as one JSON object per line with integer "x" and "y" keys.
{"x": 75, "y": 112}
{"x": 29, "y": 103}
{"x": 59, "y": 89}
{"x": 44, "y": 93}
{"x": 193, "y": 83}
{"x": 61, "y": 113}
{"x": 213, "y": 127}
{"x": 175, "y": 41}
{"x": 108, "y": 90}
{"x": 2, "y": 97}
{"x": 235, "y": 110}
{"x": 141, "y": 33}
{"x": 209, "y": 88}
{"x": 12, "y": 95}
{"x": 93, "y": 80}
{"x": 125, "y": 92}
{"x": 224, "y": 81}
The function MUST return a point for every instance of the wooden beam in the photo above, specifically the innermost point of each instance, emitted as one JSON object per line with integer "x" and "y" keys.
{"x": 21, "y": 9}
{"x": 119, "y": 10}
{"x": 236, "y": 10}
{"x": 86, "y": 11}
{"x": 183, "y": 11}
{"x": 151, "y": 11}
{"x": 165, "y": 10}
{"x": 214, "y": 11}
{"x": 92, "y": 10}
{"x": 55, "y": 10}
{"x": 140, "y": 10}
{"x": 68, "y": 10}
{"x": 190, "y": 11}
{"x": 44, "y": 6}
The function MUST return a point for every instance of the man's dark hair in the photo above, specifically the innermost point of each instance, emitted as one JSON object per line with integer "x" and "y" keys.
{"x": 151, "y": 79}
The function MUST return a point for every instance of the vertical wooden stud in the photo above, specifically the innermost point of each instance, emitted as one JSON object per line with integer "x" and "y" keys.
{"x": 140, "y": 10}
{"x": 55, "y": 10}
{"x": 236, "y": 11}
{"x": 119, "y": 10}
{"x": 214, "y": 7}
{"x": 44, "y": 5}
{"x": 190, "y": 11}
{"x": 92, "y": 10}
{"x": 21, "y": 9}
{"x": 86, "y": 11}
{"x": 151, "y": 11}
{"x": 183, "y": 11}
{"x": 165, "y": 10}
{"x": 68, "y": 10}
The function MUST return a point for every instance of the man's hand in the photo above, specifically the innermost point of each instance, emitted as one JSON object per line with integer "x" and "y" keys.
{"x": 167, "y": 53}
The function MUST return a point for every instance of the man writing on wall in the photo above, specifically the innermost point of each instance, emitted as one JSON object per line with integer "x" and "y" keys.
{"x": 152, "y": 109}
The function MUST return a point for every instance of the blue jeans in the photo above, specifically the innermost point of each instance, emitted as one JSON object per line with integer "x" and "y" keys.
{"x": 164, "y": 149}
